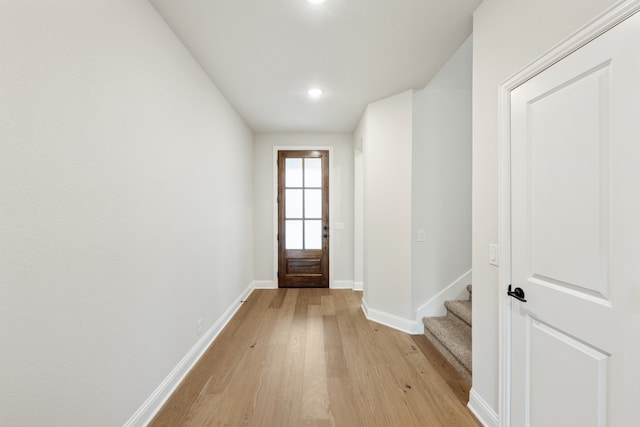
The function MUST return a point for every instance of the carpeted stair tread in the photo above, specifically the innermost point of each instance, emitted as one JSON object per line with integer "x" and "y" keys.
{"x": 451, "y": 335}
{"x": 461, "y": 309}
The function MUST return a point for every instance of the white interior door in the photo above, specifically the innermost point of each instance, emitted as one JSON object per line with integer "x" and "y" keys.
{"x": 575, "y": 217}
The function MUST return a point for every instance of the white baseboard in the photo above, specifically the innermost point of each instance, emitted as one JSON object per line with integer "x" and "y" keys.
{"x": 358, "y": 286}
{"x": 365, "y": 307}
{"x": 481, "y": 409}
{"x": 270, "y": 284}
{"x": 161, "y": 394}
{"x": 391, "y": 320}
{"x": 342, "y": 284}
{"x": 264, "y": 284}
{"x": 435, "y": 306}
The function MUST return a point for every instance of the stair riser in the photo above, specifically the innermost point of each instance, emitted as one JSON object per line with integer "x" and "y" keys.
{"x": 451, "y": 336}
{"x": 460, "y": 321}
{"x": 458, "y": 310}
{"x": 451, "y": 358}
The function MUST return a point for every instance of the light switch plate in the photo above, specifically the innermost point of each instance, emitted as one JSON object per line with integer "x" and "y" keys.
{"x": 422, "y": 235}
{"x": 493, "y": 254}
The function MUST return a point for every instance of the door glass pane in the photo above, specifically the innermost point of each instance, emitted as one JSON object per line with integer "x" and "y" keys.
{"x": 293, "y": 173}
{"x": 313, "y": 172}
{"x": 293, "y": 232}
{"x": 293, "y": 203}
{"x": 313, "y": 234}
{"x": 313, "y": 203}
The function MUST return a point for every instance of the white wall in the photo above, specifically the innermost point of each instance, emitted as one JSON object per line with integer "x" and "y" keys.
{"x": 507, "y": 36}
{"x": 126, "y": 208}
{"x": 359, "y": 135}
{"x": 341, "y": 203}
{"x": 441, "y": 181}
{"x": 358, "y": 217}
{"x": 414, "y": 171}
{"x": 387, "y": 205}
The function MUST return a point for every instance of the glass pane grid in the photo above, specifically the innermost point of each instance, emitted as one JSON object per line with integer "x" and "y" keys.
{"x": 294, "y": 203}
{"x": 294, "y": 235}
{"x": 303, "y": 203}
{"x": 312, "y": 203}
{"x": 313, "y": 234}
{"x": 293, "y": 173}
{"x": 313, "y": 172}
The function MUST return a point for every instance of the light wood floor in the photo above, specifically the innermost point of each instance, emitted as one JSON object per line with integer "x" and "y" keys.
{"x": 308, "y": 357}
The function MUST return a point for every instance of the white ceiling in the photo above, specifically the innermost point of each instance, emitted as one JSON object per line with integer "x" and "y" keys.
{"x": 264, "y": 55}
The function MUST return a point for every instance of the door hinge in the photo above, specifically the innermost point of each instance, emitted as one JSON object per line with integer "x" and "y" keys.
{"x": 278, "y": 274}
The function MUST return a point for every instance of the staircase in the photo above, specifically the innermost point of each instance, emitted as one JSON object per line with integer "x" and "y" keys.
{"x": 451, "y": 334}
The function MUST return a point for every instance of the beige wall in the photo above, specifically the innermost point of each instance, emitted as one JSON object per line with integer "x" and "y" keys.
{"x": 341, "y": 203}
{"x": 507, "y": 36}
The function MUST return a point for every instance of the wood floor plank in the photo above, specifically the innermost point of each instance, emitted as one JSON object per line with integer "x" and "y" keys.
{"x": 334, "y": 352}
{"x": 363, "y": 360}
{"x": 309, "y": 357}
{"x": 315, "y": 393}
{"x": 232, "y": 339}
{"x": 343, "y": 404}
{"x": 278, "y": 298}
{"x": 237, "y": 407}
{"x": 421, "y": 379}
{"x": 454, "y": 380}
{"x": 200, "y": 415}
{"x": 292, "y": 381}
{"x": 268, "y": 398}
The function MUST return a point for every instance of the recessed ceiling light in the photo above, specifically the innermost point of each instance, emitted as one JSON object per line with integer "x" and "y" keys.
{"x": 316, "y": 1}
{"x": 315, "y": 92}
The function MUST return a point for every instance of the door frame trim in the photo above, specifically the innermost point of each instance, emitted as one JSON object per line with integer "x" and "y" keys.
{"x": 274, "y": 199}
{"x": 593, "y": 29}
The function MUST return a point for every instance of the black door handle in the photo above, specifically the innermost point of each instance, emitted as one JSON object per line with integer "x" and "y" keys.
{"x": 517, "y": 293}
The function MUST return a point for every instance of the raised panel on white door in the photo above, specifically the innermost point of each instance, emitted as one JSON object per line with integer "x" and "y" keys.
{"x": 568, "y": 379}
{"x": 568, "y": 183}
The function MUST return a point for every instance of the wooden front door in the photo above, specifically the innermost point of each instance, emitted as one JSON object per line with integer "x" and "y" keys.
{"x": 303, "y": 219}
{"x": 575, "y": 207}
